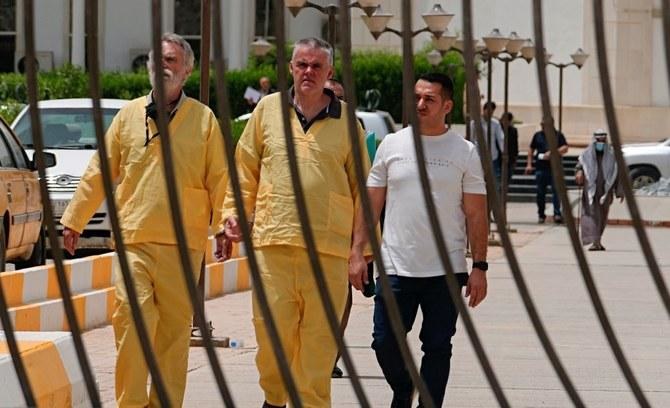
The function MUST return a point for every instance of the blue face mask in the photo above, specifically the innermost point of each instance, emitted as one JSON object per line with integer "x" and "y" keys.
{"x": 600, "y": 146}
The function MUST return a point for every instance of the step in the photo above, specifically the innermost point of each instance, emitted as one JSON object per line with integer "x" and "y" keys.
{"x": 52, "y": 368}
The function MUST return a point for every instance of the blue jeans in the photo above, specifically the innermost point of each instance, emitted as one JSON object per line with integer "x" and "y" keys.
{"x": 439, "y": 326}
{"x": 543, "y": 179}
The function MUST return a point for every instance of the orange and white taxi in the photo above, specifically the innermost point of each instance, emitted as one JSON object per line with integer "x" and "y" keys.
{"x": 20, "y": 203}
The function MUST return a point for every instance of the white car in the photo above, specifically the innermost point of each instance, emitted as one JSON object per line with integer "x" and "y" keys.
{"x": 68, "y": 132}
{"x": 647, "y": 162}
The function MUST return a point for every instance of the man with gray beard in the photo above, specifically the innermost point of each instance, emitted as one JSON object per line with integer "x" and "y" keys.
{"x": 136, "y": 163}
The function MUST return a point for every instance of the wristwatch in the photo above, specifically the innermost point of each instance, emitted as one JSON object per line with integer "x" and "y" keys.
{"x": 481, "y": 265}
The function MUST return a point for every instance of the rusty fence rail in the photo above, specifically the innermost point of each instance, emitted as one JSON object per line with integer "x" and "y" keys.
{"x": 212, "y": 31}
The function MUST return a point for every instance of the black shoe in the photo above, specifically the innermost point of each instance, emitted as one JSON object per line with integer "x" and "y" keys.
{"x": 596, "y": 247}
{"x": 558, "y": 219}
{"x": 337, "y": 372}
{"x": 541, "y": 220}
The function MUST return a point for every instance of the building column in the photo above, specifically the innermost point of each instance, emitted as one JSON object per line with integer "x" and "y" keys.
{"x": 78, "y": 17}
{"x": 238, "y": 25}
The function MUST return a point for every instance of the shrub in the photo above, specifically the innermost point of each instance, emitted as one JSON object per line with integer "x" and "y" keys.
{"x": 372, "y": 70}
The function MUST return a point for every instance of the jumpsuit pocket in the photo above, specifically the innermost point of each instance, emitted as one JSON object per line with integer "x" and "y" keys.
{"x": 340, "y": 214}
{"x": 195, "y": 207}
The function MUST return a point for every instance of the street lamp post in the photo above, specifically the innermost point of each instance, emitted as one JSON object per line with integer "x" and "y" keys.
{"x": 578, "y": 60}
{"x": 368, "y": 6}
{"x": 436, "y": 21}
{"x": 516, "y": 48}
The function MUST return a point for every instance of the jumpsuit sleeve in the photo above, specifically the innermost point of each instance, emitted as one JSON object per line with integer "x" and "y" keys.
{"x": 216, "y": 178}
{"x": 248, "y": 156}
{"x": 90, "y": 192}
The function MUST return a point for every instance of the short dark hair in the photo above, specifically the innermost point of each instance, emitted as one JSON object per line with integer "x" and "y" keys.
{"x": 442, "y": 79}
{"x": 490, "y": 104}
{"x": 508, "y": 116}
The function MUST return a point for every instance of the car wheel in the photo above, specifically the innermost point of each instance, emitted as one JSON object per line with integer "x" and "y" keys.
{"x": 643, "y": 176}
{"x": 39, "y": 255}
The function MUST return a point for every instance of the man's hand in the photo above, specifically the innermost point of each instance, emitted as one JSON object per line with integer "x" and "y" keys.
{"x": 476, "y": 288}
{"x": 70, "y": 240}
{"x": 529, "y": 169}
{"x": 579, "y": 178}
{"x": 358, "y": 270}
{"x": 224, "y": 248}
{"x": 232, "y": 229}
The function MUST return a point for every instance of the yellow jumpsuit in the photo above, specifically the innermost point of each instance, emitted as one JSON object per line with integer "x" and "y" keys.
{"x": 325, "y": 161}
{"x": 146, "y": 224}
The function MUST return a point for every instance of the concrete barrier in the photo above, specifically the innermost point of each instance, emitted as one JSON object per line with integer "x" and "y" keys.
{"x": 52, "y": 368}
{"x": 93, "y": 306}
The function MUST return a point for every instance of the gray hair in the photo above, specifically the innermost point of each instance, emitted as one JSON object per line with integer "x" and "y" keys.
{"x": 189, "y": 57}
{"x": 317, "y": 43}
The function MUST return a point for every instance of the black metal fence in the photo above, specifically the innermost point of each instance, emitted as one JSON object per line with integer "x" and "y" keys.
{"x": 211, "y": 20}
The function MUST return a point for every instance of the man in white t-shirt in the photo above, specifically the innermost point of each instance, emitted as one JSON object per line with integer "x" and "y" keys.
{"x": 408, "y": 248}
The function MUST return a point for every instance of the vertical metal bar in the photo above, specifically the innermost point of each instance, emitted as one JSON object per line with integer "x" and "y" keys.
{"x": 56, "y": 252}
{"x": 205, "y": 42}
{"x": 178, "y": 226}
{"x": 559, "y": 182}
{"x": 443, "y": 250}
{"x": 301, "y": 206}
{"x": 390, "y": 302}
{"x": 624, "y": 177}
{"x": 522, "y": 287}
{"x": 222, "y": 97}
{"x": 108, "y": 186}
{"x": 331, "y": 10}
{"x": 5, "y": 318}
{"x": 505, "y": 153}
{"x": 560, "y": 97}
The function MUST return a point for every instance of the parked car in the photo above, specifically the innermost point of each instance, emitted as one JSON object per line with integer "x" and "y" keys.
{"x": 20, "y": 202}
{"x": 647, "y": 162}
{"x": 68, "y": 132}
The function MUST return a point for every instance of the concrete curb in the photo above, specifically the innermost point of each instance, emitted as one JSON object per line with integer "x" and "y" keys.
{"x": 40, "y": 283}
{"x": 94, "y": 307}
{"x": 53, "y": 371}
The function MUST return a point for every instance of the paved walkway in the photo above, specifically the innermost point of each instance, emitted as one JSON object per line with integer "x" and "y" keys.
{"x": 549, "y": 266}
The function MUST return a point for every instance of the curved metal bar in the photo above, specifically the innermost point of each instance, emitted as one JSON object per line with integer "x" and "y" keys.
{"x": 389, "y": 298}
{"x": 452, "y": 282}
{"x": 8, "y": 329}
{"x": 56, "y": 252}
{"x": 178, "y": 226}
{"x": 112, "y": 210}
{"x": 506, "y": 241}
{"x": 624, "y": 178}
{"x": 259, "y": 291}
{"x": 559, "y": 177}
{"x": 301, "y": 206}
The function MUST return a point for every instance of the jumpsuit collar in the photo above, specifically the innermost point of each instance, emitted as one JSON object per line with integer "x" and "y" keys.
{"x": 332, "y": 110}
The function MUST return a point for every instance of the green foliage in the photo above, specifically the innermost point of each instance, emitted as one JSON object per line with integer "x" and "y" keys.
{"x": 372, "y": 70}
{"x": 9, "y": 109}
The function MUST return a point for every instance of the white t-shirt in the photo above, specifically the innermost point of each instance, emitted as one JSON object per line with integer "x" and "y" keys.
{"x": 454, "y": 168}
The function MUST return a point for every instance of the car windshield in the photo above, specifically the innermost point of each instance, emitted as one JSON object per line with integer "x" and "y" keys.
{"x": 64, "y": 128}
